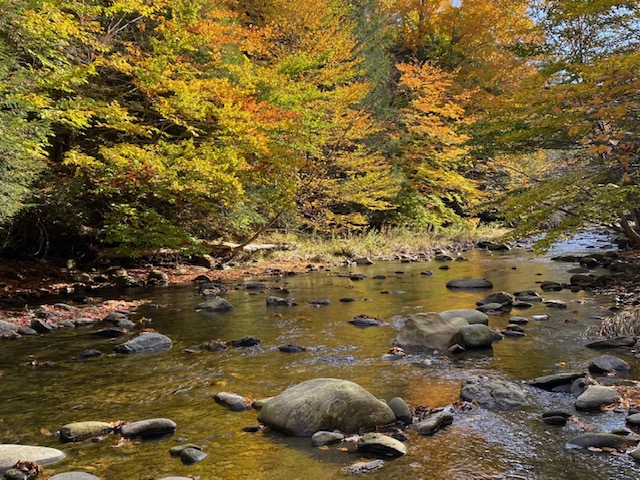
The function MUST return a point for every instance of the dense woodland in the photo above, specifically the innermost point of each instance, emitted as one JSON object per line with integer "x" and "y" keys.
{"x": 141, "y": 124}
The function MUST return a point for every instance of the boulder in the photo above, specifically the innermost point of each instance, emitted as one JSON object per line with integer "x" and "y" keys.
{"x": 215, "y": 304}
{"x": 78, "y": 431}
{"x": 380, "y": 445}
{"x": 232, "y": 401}
{"x": 427, "y": 331}
{"x": 11, "y": 454}
{"x": 471, "y": 283}
{"x": 633, "y": 420}
{"x": 433, "y": 422}
{"x": 157, "y": 277}
{"x": 470, "y": 315}
{"x": 609, "y": 364}
{"x": 492, "y": 393}
{"x": 595, "y": 397}
{"x": 363, "y": 261}
{"x": 145, "y": 342}
{"x": 324, "y": 404}
{"x": 476, "y": 336}
{"x": 40, "y": 326}
{"x": 457, "y": 322}
{"x": 493, "y": 246}
{"x": 153, "y": 427}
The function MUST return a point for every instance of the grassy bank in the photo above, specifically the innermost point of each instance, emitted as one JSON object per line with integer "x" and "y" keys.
{"x": 384, "y": 244}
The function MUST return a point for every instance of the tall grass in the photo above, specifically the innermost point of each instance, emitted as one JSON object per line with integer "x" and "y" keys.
{"x": 623, "y": 324}
{"x": 382, "y": 244}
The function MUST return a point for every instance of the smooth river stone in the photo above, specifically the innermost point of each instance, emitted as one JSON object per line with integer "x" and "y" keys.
{"x": 74, "y": 476}
{"x": 11, "y": 454}
{"x": 148, "y": 428}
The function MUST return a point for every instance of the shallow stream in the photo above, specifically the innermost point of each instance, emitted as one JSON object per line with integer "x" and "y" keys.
{"x": 181, "y": 386}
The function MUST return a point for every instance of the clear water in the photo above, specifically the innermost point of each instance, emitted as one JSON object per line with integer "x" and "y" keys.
{"x": 181, "y": 386}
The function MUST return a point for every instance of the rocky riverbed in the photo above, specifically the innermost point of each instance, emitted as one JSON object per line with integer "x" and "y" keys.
{"x": 570, "y": 403}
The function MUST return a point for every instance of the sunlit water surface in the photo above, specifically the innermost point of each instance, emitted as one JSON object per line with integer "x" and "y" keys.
{"x": 181, "y": 386}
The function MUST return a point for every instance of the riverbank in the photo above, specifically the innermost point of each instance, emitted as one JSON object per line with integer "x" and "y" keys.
{"x": 25, "y": 283}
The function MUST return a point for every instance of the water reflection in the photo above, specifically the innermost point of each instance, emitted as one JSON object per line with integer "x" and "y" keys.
{"x": 181, "y": 386}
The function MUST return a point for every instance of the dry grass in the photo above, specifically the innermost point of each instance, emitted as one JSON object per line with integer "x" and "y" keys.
{"x": 381, "y": 245}
{"x": 623, "y": 324}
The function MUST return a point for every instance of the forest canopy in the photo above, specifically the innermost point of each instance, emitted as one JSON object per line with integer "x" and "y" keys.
{"x": 142, "y": 124}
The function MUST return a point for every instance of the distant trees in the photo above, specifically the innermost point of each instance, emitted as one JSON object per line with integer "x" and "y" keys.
{"x": 158, "y": 123}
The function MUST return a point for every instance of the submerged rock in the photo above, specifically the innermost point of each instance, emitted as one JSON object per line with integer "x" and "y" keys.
{"x": 280, "y": 302}
{"x": 324, "y": 404}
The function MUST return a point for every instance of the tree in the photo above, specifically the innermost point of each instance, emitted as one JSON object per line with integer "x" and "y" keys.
{"x": 584, "y": 103}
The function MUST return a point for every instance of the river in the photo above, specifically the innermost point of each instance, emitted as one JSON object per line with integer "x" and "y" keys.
{"x": 479, "y": 444}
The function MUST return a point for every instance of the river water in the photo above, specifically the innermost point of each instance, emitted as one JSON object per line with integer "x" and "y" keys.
{"x": 181, "y": 386}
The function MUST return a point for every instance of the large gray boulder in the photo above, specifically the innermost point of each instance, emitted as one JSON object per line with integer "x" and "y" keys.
{"x": 427, "y": 331}
{"x": 470, "y": 315}
{"x": 492, "y": 393}
{"x": 324, "y": 404}
{"x": 594, "y": 397}
{"x": 476, "y": 336}
{"x": 609, "y": 364}
{"x": 145, "y": 342}
{"x": 11, "y": 454}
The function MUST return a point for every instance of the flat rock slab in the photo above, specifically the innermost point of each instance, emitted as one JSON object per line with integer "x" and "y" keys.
{"x": 11, "y": 454}
{"x": 432, "y": 423}
{"x": 616, "y": 342}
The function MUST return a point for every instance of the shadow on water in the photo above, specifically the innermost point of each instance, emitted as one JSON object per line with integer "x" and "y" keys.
{"x": 480, "y": 444}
